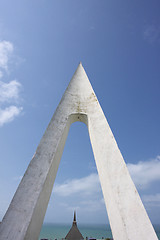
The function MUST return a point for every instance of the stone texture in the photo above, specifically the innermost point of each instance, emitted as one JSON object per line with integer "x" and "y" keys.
{"x": 127, "y": 216}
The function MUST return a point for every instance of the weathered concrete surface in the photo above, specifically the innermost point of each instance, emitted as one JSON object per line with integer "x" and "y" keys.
{"x": 127, "y": 216}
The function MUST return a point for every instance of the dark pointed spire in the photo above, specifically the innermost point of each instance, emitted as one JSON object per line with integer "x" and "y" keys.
{"x": 74, "y": 233}
{"x": 74, "y": 219}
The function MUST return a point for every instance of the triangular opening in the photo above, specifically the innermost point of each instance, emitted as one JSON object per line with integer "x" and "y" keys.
{"x": 77, "y": 188}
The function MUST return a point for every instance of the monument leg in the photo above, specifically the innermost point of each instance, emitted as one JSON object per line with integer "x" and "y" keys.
{"x": 127, "y": 216}
{"x": 24, "y": 217}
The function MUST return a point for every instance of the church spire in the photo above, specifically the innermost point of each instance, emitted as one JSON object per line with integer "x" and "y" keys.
{"x": 74, "y": 219}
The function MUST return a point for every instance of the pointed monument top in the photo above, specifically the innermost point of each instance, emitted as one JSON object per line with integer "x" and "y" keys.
{"x": 80, "y": 66}
{"x": 79, "y": 85}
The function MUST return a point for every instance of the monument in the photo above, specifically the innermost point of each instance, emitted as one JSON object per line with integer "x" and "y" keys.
{"x": 127, "y": 216}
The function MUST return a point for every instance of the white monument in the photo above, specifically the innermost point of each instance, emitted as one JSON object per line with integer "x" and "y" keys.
{"x": 127, "y": 216}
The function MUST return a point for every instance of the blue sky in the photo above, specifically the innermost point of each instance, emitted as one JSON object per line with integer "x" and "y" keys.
{"x": 41, "y": 44}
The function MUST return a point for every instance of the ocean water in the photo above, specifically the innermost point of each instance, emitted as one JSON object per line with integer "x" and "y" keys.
{"x": 59, "y": 231}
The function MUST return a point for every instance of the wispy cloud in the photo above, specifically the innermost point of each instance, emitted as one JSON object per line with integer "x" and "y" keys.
{"x": 89, "y": 205}
{"x": 1, "y": 74}
{"x": 87, "y": 185}
{"x": 151, "y": 33}
{"x": 6, "y": 49}
{"x": 92, "y": 205}
{"x": 145, "y": 173}
{"x": 85, "y": 196}
{"x": 88, "y": 190}
{"x": 9, "y": 92}
{"x": 152, "y": 198}
{"x": 8, "y": 114}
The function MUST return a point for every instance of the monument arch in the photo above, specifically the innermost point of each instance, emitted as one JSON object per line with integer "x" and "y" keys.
{"x": 127, "y": 216}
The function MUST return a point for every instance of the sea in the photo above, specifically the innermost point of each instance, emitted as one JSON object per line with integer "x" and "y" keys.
{"x": 58, "y": 231}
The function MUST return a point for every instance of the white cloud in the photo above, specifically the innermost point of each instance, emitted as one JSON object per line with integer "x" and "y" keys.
{"x": 1, "y": 74}
{"x": 152, "y": 33}
{"x": 8, "y": 114}
{"x": 6, "y": 49}
{"x": 89, "y": 205}
{"x": 87, "y": 185}
{"x": 145, "y": 173}
{"x": 84, "y": 194}
{"x": 92, "y": 205}
{"x": 152, "y": 200}
{"x": 72, "y": 208}
{"x": 9, "y": 91}
{"x": 142, "y": 173}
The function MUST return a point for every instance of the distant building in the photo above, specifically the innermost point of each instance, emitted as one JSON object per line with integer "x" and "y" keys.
{"x": 74, "y": 233}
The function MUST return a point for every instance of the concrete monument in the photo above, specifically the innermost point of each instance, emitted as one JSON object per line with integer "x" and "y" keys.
{"x": 127, "y": 216}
